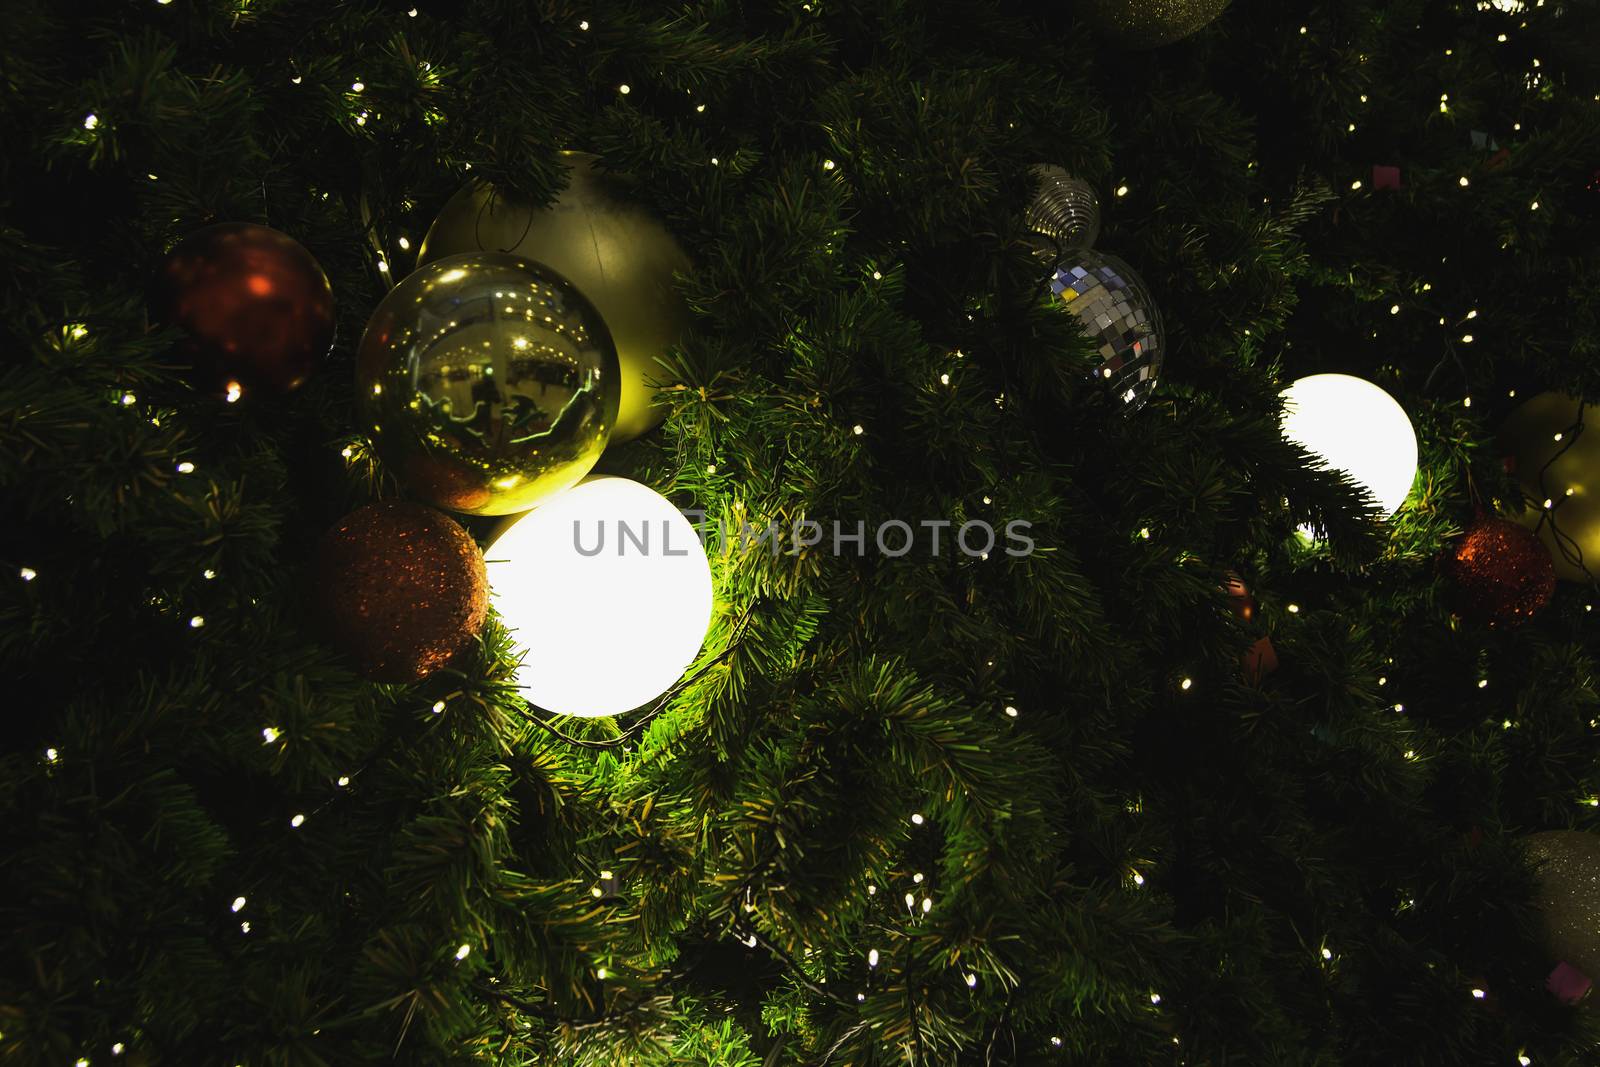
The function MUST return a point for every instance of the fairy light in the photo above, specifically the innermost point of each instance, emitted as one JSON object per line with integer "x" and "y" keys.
{"x": 1138, "y": 879}
{"x": 1185, "y": 684}
{"x": 208, "y": 574}
{"x": 584, "y": 25}
{"x": 872, "y": 958}
{"x": 1400, "y": 708}
{"x": 714, "y": 161}
{"x": 1466, "y": 401}
{"x": 944, "y": 379}
{"x": 116, "y": 1049}
{"x": 269, "y": 734}
{"x": 1534, "y": 206}
{"x": 347, "y": 452}
{"x": 1155, "y": 998}
{"x": 827, "y": 164}
{"x": 298, "y": 821}
{"x": 911, "y": 900}
{"x": 1305, "y": 30}
{"x": 1356, "y": 184}
{"x": 872, "y": 890}
{"x": 1478, "y": 994}
{"x": 244, "y": 927}
{"x": 1394, "y": 309}
{"x": 383, "y": 266}
{"x": 972, "y": 981}
{"x": 1294, "y": 609}
{"x": 196, "y": 621}
{"x": 90, "y": 121}
{"x": 917, "y": 878}
{"x": 1483, "y": 683}
{"x": 51, "y": 755}
{"x": 344, "y": 780}
{"x": 916, "y": 819}
{"x": 356, "y": 87}
{"x": 186, "y": 467}
{"x": 438, "y": 706}
{"x": 699, "y": 108}
{"x": 1144, "y": 533}
{"x": 1011, "y": 711}
{"x": 624, "y": 89}
{"x": 1122, "y": 190}
{"x": 465, "y": 950}
{"x": 1522, "y": 1058}
{"x": 27, "y": 574}
{"x": 234, "y": 392}
{"x": 238, "y": 904}
{"x": 927, "y": 905}
{"x": 858, "y": 429}
{"x": 1327, "y": 953}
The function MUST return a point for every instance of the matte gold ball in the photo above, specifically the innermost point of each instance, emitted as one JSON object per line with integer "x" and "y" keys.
{"x": 401, "y": 588}
{"x": 619, "y": 255}
{"x": 1544, "y": 431}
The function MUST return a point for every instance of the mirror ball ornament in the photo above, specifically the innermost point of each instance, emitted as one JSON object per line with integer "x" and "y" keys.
{"x": 1151, "y": 23}
{"x": 1502, "y": 573}
{"x": 616, "y": 252}
{"x": 1119, "y": 316}
{"x": 401, "y": 588}
{"x": 1568, "y": 865}
{"x": 255, "y": 305}
{"x": 487, "y": 382}
{"x": 1528, "y": 438}
{"x": 1065, "y": 210}
{"x": 608, "y": 588}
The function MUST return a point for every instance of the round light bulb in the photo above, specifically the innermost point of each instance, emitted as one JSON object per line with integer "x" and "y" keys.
{"x": 1354, "y": 427}
{"x": 608, "y": 589}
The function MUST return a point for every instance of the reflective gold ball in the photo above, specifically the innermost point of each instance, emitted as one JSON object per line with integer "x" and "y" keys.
{"x": 487, "y": 382}
{"x": 616, "y": 252}
{"x": 1531, "y": 437}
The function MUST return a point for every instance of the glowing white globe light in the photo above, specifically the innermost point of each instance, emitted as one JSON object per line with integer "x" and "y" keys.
{"x": 607, "y": 588}
{"x": 1357, "y": 428}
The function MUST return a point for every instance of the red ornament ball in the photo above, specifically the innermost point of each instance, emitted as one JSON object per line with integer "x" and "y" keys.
{"x": 255, "y": 306}
{"x": 401, "y": 588}
{"x": 1501, "y": 570}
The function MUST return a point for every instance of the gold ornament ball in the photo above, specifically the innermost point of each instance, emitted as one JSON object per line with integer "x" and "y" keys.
{"x": 487, "y": 382}
{"x": 1151, "y": 23}
{"x": 401, "y": 588}
{"x": 1529, "y": 439}
{"x": 1568, "y": 865}
{"x": 618, "y": 255}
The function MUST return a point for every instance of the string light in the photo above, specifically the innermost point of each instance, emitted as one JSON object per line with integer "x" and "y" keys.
{"x": 1011, "y": 711}
{"x": 872, "y": 958}
{"x": 1327, "y": 953}
{"x": 344, "y": 780}
{"x": 438, "y": 706}
{"x": 1186, "y": 683}
{"x": 356, "y": 87}
{"x": 27, "y": 574}
{"x": 916, "y": 819}
{"x": 269, "y": 734}
{"x": 383, "y": 266}
{"x": 234, "y": 392}
{"x": 298, "y": 821}
{"x": 1138, "y": 879}
{"x": 238, "y": 904}
{"x": 927, "y": 905}
{"x": 584, "y": 25}
{"x": 1155, "y": 998}
{"x": 51, "y": 755}
{"x": 186, "y": 467}
{"x": 116, "y": 1050}
{"x": 197, "y": 621}
{"x": 858, "y": 429}
{"x": 208, "y": 574}
{"x": 464, "y": 950}
{"x": 624, "y": 89}
{"x": 972, "y": 981}
{"x": 244, "y": 927}
{"x": 1122, "y": 190}
{"x": 827, "y": 164}
{"x": 1478, "y": 994}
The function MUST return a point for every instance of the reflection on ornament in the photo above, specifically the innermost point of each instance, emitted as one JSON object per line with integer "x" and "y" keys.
{"x": 1065, "y": 210}
{"x": 1557, "y": 462}
{"x": 1118, "y": 314}
{"x": 618, "y": 254}
{"x": 608, "y": 589}
{"x": 487, "y": 382}
{"x": 1354, "y": 427}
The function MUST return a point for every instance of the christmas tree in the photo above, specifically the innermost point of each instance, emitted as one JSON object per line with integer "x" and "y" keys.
{"x": 1230, "y": 763}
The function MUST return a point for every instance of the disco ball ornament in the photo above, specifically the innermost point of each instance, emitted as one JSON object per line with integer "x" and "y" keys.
{"x": 1555, "y": 460}
{"x": 608, "y": 589}
{"x": 1568, "y": 866}
{"x": 401, "y": 588}
{"x": 1066, "y": 210}
{"x": 1118, "y": 314}
{"x": 1502, "y": 573}
{"x": 613, "y": 249}
{"x": 255, "y": 308}
{"x": 487, "y": 382}
{"x": 1151, "y": 23}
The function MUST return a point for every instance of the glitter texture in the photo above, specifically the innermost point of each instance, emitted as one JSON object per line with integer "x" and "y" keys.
{"x": 401, "y": 588}
{"x": 1064, "y": 210}
{"x": 1118, "y": 314}
{"x": 1568, "y": 864}
{"x": 1502, "y": 573}
{"x": 1151, "y": 23}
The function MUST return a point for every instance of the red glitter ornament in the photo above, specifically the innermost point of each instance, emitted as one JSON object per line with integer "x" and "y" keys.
{"x": 1501, "y": 570}
{"x": 401, "y": 588}
{"x": 256, "y": 307}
